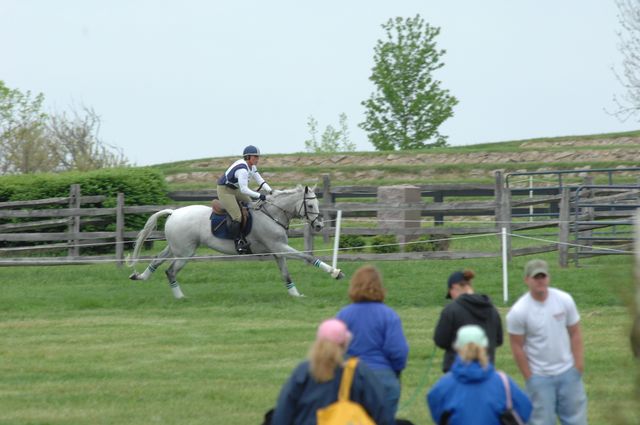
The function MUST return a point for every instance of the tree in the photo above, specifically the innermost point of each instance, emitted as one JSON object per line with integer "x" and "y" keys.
{"x": 332, "y": 140}
{"x": 408, "y": 105}
{"x": 32, "y": 141}
{"x": 23, "y": 145}
{"x": 628, "y": 103}
{"x": 77, "y": 144}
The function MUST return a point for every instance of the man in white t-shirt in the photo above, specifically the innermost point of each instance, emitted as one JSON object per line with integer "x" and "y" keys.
{"x": 546, "y": 342}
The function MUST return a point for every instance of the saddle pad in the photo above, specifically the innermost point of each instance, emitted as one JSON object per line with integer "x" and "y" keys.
{"x": 219, "y": 225}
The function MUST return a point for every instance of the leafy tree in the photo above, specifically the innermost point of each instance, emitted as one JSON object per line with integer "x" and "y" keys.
{"x": 408, "y": 105}
{"x": 23, "y": 145}
{"x": 331, "y": 140}
{"x": 628, "y": 104}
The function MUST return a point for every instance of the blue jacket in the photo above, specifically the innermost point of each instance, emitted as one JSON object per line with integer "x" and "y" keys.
{"x": 378, "y": 339}
{"x": 473, "y": 395}
{"x": 302, "y": 396}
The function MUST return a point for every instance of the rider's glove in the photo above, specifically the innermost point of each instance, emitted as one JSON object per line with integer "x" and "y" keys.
{"x": 263, "y": 197}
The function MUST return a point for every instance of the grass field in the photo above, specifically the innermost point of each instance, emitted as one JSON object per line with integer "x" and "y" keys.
{"x": 84, "y": 345}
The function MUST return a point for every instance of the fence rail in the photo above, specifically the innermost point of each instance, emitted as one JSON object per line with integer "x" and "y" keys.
{"x": 25, "y": 222}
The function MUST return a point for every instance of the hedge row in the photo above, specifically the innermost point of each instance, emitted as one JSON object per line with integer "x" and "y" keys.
{"x": 141, "y": 186}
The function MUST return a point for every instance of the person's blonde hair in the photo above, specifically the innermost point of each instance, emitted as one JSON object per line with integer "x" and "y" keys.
{"x": 472, "y": 351}
{"x": 324, "y": 356}
{"x": 366, "y": 285}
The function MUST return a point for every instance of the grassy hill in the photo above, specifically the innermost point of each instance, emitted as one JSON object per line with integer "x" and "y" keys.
{"x": 473, "y": 163}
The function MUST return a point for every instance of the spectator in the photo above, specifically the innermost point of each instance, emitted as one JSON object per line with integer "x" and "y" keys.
{"x": 473, "y": 392}
{"x": 314, "y": 383}
{"x": 378, "y": 339}
{"x": 546, "y": 342}
{"x": 467, "y": 308}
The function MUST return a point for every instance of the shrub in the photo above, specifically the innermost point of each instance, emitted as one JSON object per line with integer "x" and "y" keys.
{"x": 429, "y": 243}
{"x": 384, "y": 244}
{"x": 355, "y": 243}
{"x": 141, "y": 186}
{"x": 422, "y": 244}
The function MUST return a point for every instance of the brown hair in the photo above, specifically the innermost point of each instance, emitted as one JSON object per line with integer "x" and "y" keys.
{"x": 366, "y": 285}
{"x": 468, "y": 275}
{"x": 472, "y": 351}
{"x": 324, "y": 356}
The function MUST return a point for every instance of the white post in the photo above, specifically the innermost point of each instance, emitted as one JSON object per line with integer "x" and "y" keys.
{"x": 336, "y": 239}
{"x": 530, "y": 196}
{"x": 505, "y": 276}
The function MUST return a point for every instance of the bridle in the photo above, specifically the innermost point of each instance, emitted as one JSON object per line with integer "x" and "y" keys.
{"x": 306, "y": 210}
{"x": 299, "y": 212}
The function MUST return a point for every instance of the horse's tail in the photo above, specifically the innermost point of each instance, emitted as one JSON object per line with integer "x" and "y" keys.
{"x": 149, "y": 227}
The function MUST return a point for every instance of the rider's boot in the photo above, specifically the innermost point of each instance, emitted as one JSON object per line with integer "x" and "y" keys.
{"x": 242, "y": 246}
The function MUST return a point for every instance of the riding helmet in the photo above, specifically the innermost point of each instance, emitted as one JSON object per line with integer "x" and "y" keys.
{"x": 250, "y": 150}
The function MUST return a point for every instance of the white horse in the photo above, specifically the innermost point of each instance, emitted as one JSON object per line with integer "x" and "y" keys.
{"x": 189, "y": 227}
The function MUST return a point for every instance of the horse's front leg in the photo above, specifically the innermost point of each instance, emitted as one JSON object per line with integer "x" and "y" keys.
{"x": 284, "y": 272}
{"x": 292, "y": 253}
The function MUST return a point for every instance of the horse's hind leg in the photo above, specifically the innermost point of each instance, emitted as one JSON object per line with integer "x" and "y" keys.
{"x": 171, "y": 272}
{"x": 155, "y": 263}
{"x": 284, "y": 272}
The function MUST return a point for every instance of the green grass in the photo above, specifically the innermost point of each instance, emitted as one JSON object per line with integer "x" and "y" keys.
{"x": 83, "y": 344}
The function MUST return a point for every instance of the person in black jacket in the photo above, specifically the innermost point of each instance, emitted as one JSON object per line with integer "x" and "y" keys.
{"x": 467, "y": 308}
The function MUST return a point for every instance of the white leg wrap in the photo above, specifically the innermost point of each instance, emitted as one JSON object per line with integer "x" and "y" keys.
{"x": 335, "y": 273}
{"x": 146, "y": 274}
{"x": 293, "y": 291}
{"x": 177, "y": 292}
{"x": 324, "y": 266}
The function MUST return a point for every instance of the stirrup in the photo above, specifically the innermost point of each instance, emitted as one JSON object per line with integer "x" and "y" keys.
{"x": 242, "y": 247}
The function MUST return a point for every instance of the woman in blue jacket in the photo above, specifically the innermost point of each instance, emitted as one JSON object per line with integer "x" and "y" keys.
{"x": 473, "y": 391}
{"x": 378, "y": 339}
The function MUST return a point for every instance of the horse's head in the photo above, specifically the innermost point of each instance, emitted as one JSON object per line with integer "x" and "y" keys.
{"x": 300, "y": 202}
{"x": 310, "y": 209}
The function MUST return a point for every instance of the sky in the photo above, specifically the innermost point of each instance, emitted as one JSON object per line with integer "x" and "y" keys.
{"x": 190, "y": 79}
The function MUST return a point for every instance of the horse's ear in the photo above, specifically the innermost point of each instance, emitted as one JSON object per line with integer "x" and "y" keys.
{"x": 306, "y": 189}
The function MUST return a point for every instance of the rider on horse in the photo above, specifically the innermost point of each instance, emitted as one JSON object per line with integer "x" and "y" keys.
{"x": 233, "y": 186}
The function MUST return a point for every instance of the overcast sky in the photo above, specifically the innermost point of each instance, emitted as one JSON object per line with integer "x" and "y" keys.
{"x": 179, "y": 80}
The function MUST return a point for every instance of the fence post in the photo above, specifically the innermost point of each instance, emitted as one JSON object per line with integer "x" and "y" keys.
{"x": 438, "y": 219}
{"x": 398, "y": 217}
{"x": 120, "y": 229}
{"x": 327, "y": 202}
{"x": 503, "y": 211}
{"x": 308, "y": 239}
{"x": 564, "y": 226}
{"x": 635, "y": 329}
{"x": 74, "y": 224}
{"x": 588, "y": 181}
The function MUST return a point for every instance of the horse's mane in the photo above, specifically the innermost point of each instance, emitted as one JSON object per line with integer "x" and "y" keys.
{"x": 296, "y": 190}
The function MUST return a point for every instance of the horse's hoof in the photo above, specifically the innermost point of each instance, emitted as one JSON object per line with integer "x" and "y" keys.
{"x": 134, "y": 276}
{"x": 337, "y": 274}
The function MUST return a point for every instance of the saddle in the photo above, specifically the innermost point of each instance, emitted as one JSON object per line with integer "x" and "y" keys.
{"x": 219, "y": 218}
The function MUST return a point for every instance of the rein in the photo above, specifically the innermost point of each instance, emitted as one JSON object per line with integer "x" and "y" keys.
{"x": 286, "y": 213}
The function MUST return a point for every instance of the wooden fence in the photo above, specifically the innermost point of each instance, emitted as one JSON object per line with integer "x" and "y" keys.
{"x": 494, "y": 204}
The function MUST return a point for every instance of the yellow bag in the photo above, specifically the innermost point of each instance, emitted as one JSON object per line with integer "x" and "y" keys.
{"x": 345, "y": 411}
